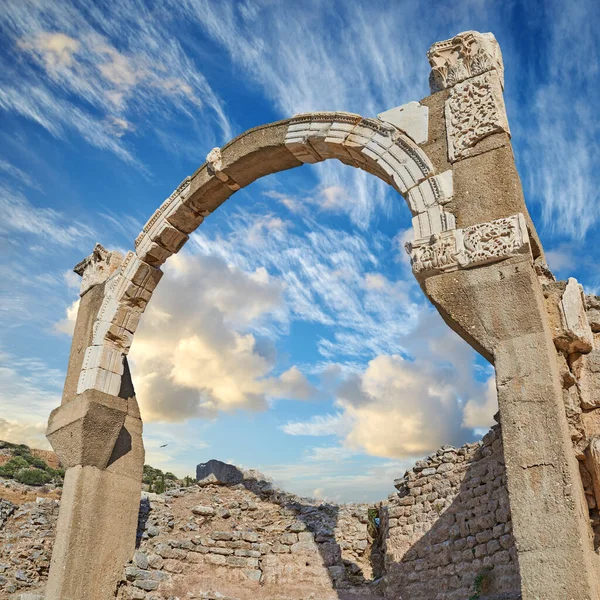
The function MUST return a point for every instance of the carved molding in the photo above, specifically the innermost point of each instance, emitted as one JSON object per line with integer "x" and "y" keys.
{"x": 97, "y": 267}
{"x": 466, "y": 55}
{"x": 469, "y": 247}
{"x": 474, "y": 110}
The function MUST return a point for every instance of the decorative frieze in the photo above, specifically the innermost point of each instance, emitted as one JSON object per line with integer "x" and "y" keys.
{"x": 373, "y": 145}
{"x": 474, "y": 110}
{"x": 469, "y": 247}
{"x": 466, "y": 55}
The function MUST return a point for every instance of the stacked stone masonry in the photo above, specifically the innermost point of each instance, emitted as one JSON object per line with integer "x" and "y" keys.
{"x": 448, "y": 524}
{"x": 451, "y": 524}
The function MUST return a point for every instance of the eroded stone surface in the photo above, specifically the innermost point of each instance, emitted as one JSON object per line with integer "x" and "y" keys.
{"x": 465, "y": 55}
{"x": 474, "y": 110}
{"x": 469, "y": 247}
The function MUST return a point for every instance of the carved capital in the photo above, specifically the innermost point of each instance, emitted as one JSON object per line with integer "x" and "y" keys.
{"x": 468, "y": 54}
{"x": 474, "y": 110}
{"x": 97, "y": 267}
{"x": 469, "y": 247}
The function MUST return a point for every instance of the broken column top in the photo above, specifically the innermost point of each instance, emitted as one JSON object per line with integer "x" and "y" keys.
{"x": 467, "y": 54}
{"x": 97, "y": 267}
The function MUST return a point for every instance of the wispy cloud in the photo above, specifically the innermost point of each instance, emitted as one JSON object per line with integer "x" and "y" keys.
{"x": 20, "y": 216}
{"x": 75, "y": 69}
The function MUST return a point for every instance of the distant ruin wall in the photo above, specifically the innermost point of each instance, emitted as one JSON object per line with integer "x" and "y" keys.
{"x": 448, "y": 534}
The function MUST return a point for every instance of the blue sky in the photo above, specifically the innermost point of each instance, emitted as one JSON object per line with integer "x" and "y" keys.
{"x": 289, "y": 334}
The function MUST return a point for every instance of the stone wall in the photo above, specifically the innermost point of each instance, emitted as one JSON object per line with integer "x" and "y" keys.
{"x": 445, "y": 534}
{"x": 450, "y": 526}
{"x": 249, "y": 540}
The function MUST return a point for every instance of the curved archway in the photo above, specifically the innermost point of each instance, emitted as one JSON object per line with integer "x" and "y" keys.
{"x": 373, "y": 145}
{"x": 498, "y": 308}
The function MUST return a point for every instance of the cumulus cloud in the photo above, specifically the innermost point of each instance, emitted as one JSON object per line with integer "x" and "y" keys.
{"x": 479, "y": 412}
{"x": 66, "y": 325}
{"x": 29, "y": 391}
{"x": 199, "y": 349}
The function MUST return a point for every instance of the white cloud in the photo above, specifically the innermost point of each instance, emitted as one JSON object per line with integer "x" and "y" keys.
{"x": 29, "y": 391}
{"x": 479, "y": 412}
{"x": 66, "y": 325}
{"x": 103, "y": 74}
{"x": 33, "y": 435}
{"x": 324, "y": 275}
{"x": 318, "y": 425}
{"x": 195, "y": 353}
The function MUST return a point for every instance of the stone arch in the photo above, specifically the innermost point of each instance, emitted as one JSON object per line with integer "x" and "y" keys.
{"x": 373, "y": 145}
{"x": 468, "y": 211}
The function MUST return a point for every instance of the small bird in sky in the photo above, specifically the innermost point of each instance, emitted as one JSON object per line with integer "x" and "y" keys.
{"x": 164, "y": 445}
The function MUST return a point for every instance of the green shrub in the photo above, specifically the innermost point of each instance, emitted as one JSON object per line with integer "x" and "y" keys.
{"x": 13, "y": 465}
{"x": 33, "y": 477}
{"x": 36, "y": 462}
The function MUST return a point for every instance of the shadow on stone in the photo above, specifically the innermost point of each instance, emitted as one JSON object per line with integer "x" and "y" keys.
{"x": 122, "y": 446}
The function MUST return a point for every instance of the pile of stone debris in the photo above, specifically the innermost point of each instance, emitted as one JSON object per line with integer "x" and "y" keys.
{"x": 26, "y": 538}
{"x": 233, "y": 536}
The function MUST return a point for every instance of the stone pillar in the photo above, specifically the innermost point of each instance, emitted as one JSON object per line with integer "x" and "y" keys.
{"x": 482, "y": 279}
{"x": 98, "y": 438}
{"x": 501, "y": 307}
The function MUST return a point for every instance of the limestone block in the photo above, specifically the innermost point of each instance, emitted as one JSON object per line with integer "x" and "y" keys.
{"x": 467, "y": 54}
{"x": 214, "y": 160}
{"x": 151, "y": 252}
{"x": 140, "y": 273}
{"x": 470, "y": 247}
{"x": 474, "y": 110}
{"x": 433, "y": 221}
{"x": 575, "y": 334}
{"x": 107, "y": 333}
{"x": 84, "y": 430}
{"x": 104, "y": 358}
{"x": 97, "y": 267}
{"x": 587, "y": 370}
{"x": 433, "y": 191}
{"x": 99, "y": 379}
{"x": 411, "y": 118}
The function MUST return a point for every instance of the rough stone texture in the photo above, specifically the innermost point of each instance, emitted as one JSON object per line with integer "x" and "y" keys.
{"x": 487, "y": 187}
{"x": 500, "y": 308}
{"x": 451, "y": 523}
{"x": 85, "y": 431}
{"x": 592, "y": 306}
{"x": 89, "y": 305}
{"x": 100, "y": 439}
{"x": 448, "y": 523}
{"x": 573, "y": 333}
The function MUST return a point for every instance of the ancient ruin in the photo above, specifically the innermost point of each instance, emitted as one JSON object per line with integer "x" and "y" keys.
{"x": 522, "y": 511}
